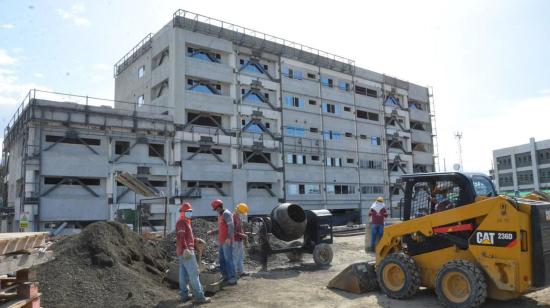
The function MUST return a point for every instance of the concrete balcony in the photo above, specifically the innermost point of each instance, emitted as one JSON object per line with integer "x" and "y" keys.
{"x": 423, "y": 158}
{"x": 208, "y": 70}
{"x": 208, "y": 102}
{"x": 206, "y": 170}
{"x": 197, "y": 132}
{"x": 250, "y": 139}
{"x": 391, "y": 130}
{"x": 400, "y": 112}
{"x": 420, "y": 136}
{"x": 305, "y": 87}
{"x": 419, "y": 115}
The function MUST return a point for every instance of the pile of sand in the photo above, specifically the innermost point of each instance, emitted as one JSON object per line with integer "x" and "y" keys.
{"x": 107, "y": 265}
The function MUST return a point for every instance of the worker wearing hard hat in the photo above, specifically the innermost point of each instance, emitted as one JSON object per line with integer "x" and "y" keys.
{"x": 226, "y": 234}
{"x": 185, "y": 250}
{"x": 377, "y": 214}
{"x": 239, "y": 217}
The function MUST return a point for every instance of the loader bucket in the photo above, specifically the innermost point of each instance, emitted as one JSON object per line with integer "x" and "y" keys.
{"x": 356, "y": 278}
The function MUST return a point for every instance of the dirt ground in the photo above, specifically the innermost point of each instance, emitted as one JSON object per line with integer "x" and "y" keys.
{"x": 304, "y": 284}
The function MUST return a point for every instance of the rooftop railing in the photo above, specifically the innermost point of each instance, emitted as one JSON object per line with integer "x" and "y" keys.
{"x": 242, "y": 33}
{"x": 35, "y": 94}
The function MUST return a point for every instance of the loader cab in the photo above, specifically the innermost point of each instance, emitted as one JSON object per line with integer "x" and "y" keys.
{"x": 428, "y": 193}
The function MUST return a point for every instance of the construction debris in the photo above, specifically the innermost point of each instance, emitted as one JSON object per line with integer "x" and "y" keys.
{"x": 106, "y": 265}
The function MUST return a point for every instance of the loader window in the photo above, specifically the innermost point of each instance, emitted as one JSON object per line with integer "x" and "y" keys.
{"x": 483, "y": 187}
{"x": 421, "y": 200}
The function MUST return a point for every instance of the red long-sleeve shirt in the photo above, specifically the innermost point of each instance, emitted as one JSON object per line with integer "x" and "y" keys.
{"x": 238, "y": 225}
{"x": 184, "y": 236}
{"x": 377, "y": 218}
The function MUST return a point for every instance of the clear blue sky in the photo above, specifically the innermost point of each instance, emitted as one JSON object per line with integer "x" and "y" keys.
{"x": 488, "y": 61}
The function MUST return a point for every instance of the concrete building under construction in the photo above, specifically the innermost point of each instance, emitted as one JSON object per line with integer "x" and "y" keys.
{"x": 206, "y": 109}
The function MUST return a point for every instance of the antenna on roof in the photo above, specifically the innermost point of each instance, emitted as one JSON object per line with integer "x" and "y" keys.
{"x": 458, "y": 137}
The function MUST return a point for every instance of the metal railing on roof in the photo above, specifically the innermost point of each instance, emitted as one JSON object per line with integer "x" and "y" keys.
{"x": 133, "y": 54}
{"x": 35, "y": 94}
{"x": 242, "y": 33}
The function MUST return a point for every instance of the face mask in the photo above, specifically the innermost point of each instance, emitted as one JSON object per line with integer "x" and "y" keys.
{"x": 188, "y": 214}
{"x": 244, "y": 218}
{"x": 439, "y": 198}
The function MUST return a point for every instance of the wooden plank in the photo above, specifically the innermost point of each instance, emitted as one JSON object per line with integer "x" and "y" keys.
{"x": 16, "y": 241}
{"x": 17, "y": 262}
{"x": 19, "y": 303}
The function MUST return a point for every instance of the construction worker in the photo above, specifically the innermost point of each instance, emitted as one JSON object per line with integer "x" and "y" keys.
{"x": 377, "y": 214}
{"x": 185, "y": 250}
{"x": 441, "y": 198}
{"x": 226, "y": 234}
{"x": 239, "y": 215}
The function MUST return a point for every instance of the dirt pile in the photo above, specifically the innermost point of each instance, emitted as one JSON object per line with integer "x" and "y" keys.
{"x": 106, "y": 265}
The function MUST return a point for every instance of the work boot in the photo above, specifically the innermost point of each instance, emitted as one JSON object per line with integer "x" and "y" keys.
{"x": 204, "y": 300}
{"x": 186, "y": 298}
{"x": 230, "y": 282}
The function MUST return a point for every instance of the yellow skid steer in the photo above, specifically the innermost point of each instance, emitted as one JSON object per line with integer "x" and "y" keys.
{"x": 458, "y": 237}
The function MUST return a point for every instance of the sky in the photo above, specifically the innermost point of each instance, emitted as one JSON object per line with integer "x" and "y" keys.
{"x": 487, "y": 61}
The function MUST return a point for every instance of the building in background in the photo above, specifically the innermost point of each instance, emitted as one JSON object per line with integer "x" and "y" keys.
{"x": 523, "y": 168}
{"x": 205, "y": 109}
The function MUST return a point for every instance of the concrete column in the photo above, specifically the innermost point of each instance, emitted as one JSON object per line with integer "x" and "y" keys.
{"x": 514, "y": 171}
{"x": 534, "y": 163}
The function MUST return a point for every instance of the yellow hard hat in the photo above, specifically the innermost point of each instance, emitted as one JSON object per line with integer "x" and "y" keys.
{"x": 380, "y": 199}
{"x": 242, "y": 208}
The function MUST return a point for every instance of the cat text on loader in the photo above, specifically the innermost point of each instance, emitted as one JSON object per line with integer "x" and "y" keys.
{"x": 461, "y": 239}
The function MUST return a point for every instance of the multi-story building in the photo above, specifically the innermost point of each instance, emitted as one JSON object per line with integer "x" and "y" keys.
{"x": 205, "y": 109}
{"x": 523, "y": 168}
{"x": 260, "y": 119}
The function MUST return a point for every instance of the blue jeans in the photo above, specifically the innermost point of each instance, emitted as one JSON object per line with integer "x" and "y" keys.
{"x": 238, "y": 256}
{"x": 227, "y": 267}
{"x": 375, "y": 231}
{"x": 189, "y": 274}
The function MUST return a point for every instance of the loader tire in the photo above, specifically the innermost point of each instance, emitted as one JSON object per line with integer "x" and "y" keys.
{"x": 398, "y": 276}
{"x": 461, "y": 283}
{"x": 322, "y": 254}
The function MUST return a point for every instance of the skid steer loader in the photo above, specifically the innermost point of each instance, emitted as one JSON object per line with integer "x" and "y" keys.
{"x": 459, "y": 237}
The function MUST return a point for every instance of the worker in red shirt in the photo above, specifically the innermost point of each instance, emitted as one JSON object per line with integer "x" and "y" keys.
{"x": 185, "y": 250}
{"x": 239, "y": 217}
{"x": 226, "y": 234}
{"x": 377, "y": 214}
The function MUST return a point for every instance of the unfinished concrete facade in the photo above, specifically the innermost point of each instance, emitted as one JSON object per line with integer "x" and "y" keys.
{"x": 61, "y": 154}
{"x": 260, "y": 119}
{"x": 523, "y": 168}
{"x": 206, "y": 110}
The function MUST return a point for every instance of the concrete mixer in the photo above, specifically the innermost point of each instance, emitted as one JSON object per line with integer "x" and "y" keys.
{"x": 302, "y": 231}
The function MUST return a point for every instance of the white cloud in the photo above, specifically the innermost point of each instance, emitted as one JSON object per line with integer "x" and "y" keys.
{"x": 11, "y": 90}
{"x": 5, "y": 59}
{"x": 75, "y": 15}
{"x": 7, "y": 26}
{"x": 38, "y": 75}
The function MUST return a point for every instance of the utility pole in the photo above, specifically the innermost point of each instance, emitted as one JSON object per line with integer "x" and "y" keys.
{"x": 458, "y": 137}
